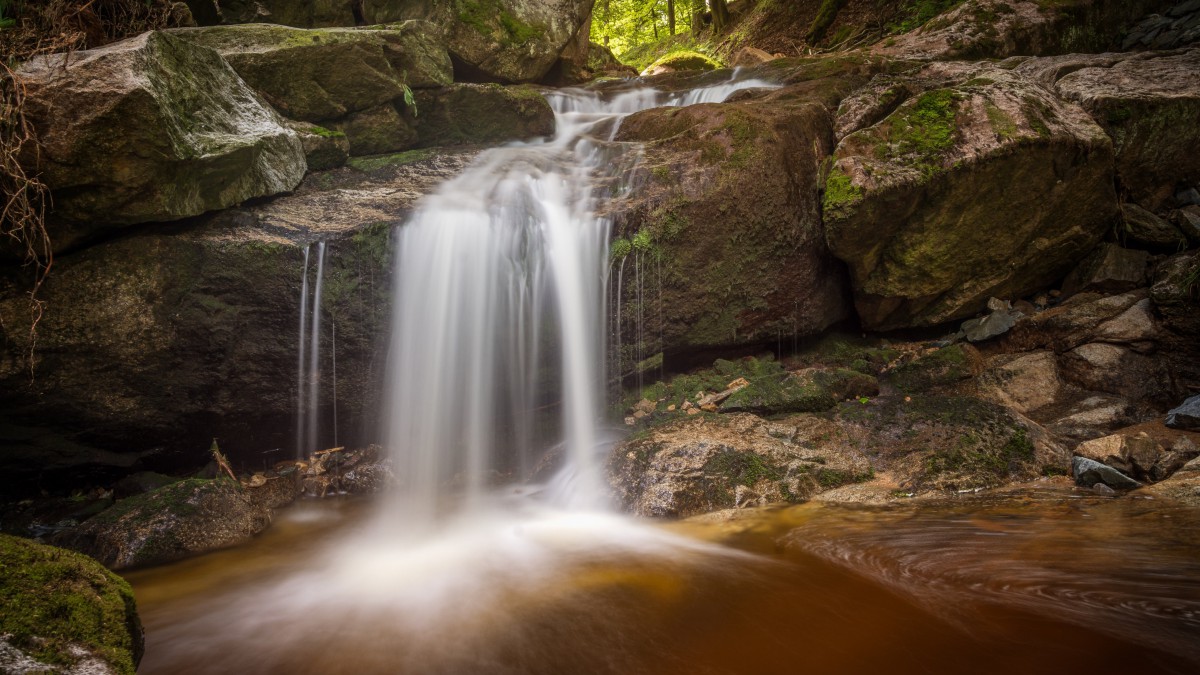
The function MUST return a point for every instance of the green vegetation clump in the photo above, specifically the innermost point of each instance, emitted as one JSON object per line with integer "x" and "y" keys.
{"x": 686, "y": 60}
{"x": 841, "y": 194}
{"x": 742, "y": 468}
{"x": 326, "y": 133}
{"x": 480, "y": 14}
{"x": 376, "y": 162}
{"x": 943, "y": 367}
{"x": 923, "y": 131}
{"x": 685, "y": 387}
{"x": 619, "y": 249}
{"x": 52, "y": 599}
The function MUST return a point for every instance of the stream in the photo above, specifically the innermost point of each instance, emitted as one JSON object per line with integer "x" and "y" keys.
{"x": 1026, "y": 582}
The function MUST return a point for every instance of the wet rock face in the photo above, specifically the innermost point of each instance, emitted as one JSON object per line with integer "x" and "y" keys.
{"x": 151, "y": 129}
{"x": 481, "y": 113}
{"x": 181, "y": 519}
{"x": 960, "y": 183}
{"x": 63, "y": 612}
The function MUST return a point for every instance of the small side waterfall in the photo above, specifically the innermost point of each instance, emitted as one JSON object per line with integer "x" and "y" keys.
{"x": 308, "y": 373}
{"x": 499, "y": 308}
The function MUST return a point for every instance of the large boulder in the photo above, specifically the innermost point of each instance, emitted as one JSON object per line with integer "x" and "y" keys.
{"x": 1175, "y": 294}
{"x": 1148, "y": 103}
{"x": 958, "y": 183}
{"x": 999, "y": 28}
{"x": 506, "y": 41}
{"x": 63, "y": 612}
{"x": 323, "y": 75}
{"x": 172, "y": 522}
{"x": 481, "y": 113}
{"x": 150, "y": 129}
{"x": 725, "y": 224}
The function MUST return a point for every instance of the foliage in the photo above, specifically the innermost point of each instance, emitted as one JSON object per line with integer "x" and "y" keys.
{"x": 824, "y": 19}
{"x": 623, "y": 25}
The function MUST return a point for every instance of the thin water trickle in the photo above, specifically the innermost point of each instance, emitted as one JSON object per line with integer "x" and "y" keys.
{"x": 300, "y": 371}
{"x": 308, "y": 368}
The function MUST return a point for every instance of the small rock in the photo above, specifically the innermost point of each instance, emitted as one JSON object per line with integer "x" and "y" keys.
{"x": 1089, "y": 472}
{"x": 998, "y": 305}
{"x": 1146, "y": 230}
{"x": 671, "y": 408}
{"x": 640, "y": 414}
{"x": 1186, "y": 416}
{"x": 1188, "y": 221}
{"x": 1103, "y": 490}
{"x": 1188, "y": 197}
{"x": 645, "y": 406}
{"x": 990, "y": 326}
{"x": 630, "y": 421}
{"x": 693, "y": 411}
{"x": 1110, "y": 269}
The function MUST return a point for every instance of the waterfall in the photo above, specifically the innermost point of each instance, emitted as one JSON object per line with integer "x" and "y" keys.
{"x": 308, "y": 370}
{"x": 500, "y": 280}
{"x": 300, "y": 371}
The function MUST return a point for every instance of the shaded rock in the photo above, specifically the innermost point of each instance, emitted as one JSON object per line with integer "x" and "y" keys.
{"x": 1023, "y": 382}
{"x": 323, "y": 75}
{"x": 943, "y": 367}
{"x": 481, "y": 113}
{"x": 140, "y": 483}
{"x": 705, "y": 464}
{"x": 323, "y": 148}
{"x": 1188, "y": 220}
{"x": 274, "y": 491}
{"x": 601, "y": 61}
{"x": 378, "y": 130}
{"x": 809, "y": 390}
{"x": 1114, "y": 369}
{"x": 185, "y": 518}
{"x": 1146, "y": 230}
{"x": 1176, "y": 297}
{"x": 939, "y": 201}
{"x": 1087, "y": 317}
{"x": 170, "y": 131}
{"x": 1000, "y": 28}
{"x": 1181, "y": 455}
{"x": 1088, "y": 472}
{"x": 1103, "y": 490}
{"x": 1147, "y": 103}
{"x": 1091, "y": 417}
{"x": 1111, "y": 269}
{"x": 60, "y": 609}
{"x": 1186, "y": 416}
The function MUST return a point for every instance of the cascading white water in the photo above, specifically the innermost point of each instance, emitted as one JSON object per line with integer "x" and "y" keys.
{"x": 500, "y": 279}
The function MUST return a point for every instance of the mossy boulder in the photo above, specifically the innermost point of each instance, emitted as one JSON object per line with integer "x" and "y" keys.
{"x": 1148, "y": 103}
{"x": 939, "y": 368}
{"x": 683, "y": 60}
{"x": 326, "y": 74}
{"x": 61, "y": 611}
{"x": 960, "y": 183}
{"x": 725, "y": 225}
{"x": 152, "y": 344}
{"x": 809, "y": 390}
{"x": 977, "y": 29}
{"x": 152, "y": 128}
{"x": 323, "y": 148}
{"x": 181, "y": 519}
{"x": 715, "y": 462}
{"x": 481, "y": 114}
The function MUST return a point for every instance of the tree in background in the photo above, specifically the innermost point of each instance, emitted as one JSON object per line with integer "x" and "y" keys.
{"x": 623, "y": 24}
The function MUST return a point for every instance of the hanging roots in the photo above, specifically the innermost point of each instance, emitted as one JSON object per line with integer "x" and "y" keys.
{"x": 29, "y": 28}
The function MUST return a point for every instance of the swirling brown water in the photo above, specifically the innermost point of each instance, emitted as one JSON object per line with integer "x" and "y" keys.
{"x": 1023, "y": 584}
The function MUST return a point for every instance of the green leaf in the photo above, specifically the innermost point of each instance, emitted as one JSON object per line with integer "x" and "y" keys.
{"x": 410, "y": 100}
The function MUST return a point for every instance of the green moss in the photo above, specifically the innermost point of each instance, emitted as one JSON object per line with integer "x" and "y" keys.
{"x": 326, "y": 133}
{"x": 924, "y": 130}
{"x": 619, "y": 249}
{"x": 686, "y": 60}
{"x": 51, "y": 598}
{"x": 491, "y": 18}
{"x": 742, "y": 468}
{"x": 917, "y": 13}
{"x": 1004, "y": 126}
{"x": 643, "y": 241}
{"x": 841, "y": 194}
{"x": 376, "y": 162}
{"x": 941, "y": 368}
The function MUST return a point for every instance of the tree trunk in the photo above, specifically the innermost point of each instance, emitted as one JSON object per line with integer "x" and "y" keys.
{"x": 720, "y": 14}
{"x": 671, "y": 15}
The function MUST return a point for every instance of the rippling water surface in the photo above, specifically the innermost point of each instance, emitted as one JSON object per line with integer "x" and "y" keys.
{"x": 1026, "y": 583}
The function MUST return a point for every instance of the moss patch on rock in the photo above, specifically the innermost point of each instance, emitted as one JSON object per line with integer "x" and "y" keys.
{"x": 62, "y": 608}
